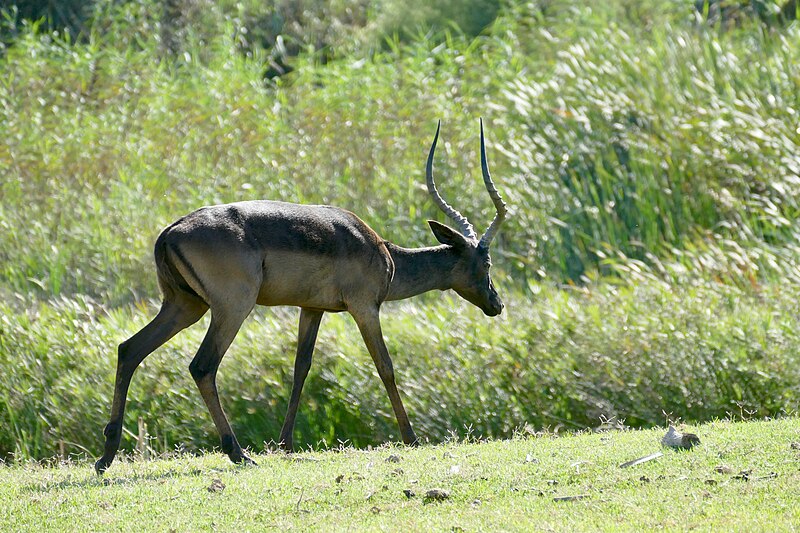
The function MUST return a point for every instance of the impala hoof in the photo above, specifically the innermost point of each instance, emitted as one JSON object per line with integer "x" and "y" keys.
{"x": 102, "y": 465}
{"x": 242, "y": 458}
{"x": 412, "y": 440}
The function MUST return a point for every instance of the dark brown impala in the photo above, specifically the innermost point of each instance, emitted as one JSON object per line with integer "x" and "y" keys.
{"x": 228, "y": 258}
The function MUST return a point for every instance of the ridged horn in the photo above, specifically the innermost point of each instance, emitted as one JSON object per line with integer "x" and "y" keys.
{"x": 497, "y": 200}
{"x": 460, "y": 220}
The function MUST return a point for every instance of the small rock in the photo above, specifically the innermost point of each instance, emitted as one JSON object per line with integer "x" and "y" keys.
{"x": 723, "y": 469}
{"x": 216, "y": 485}
{"x": 393, "y": 459}
{"x": 436, "y": 495}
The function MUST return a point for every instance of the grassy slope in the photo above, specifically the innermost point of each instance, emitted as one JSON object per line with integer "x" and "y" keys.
{"x": 493, "y": 485}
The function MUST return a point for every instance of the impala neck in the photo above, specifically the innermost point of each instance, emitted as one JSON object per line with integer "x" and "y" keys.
{"x": 418, "y": 270}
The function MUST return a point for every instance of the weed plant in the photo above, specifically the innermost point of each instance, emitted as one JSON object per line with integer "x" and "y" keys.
{"x": 650, "y": 263}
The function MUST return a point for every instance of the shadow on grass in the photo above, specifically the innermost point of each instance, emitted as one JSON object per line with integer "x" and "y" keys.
{"x": 105, "y": 480}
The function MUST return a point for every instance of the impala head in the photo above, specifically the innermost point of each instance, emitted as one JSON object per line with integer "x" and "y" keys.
{"x": 471, "y": 279}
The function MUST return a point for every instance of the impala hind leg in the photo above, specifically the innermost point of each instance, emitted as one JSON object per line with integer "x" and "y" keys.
{"x": 225, "y": 324}
{"x": 306, "y": 337}
{"x": 174, "y": 316}
{"x": 370, "y": 326}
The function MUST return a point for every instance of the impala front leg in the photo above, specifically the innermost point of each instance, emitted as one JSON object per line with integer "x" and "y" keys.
{"x": 370, "y": 326}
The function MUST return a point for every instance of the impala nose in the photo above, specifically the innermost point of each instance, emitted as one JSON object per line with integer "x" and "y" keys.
{"x": 494, "y": 308}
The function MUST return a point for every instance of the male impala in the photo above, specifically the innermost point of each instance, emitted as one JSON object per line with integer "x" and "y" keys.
{"x": 228, "y": 258}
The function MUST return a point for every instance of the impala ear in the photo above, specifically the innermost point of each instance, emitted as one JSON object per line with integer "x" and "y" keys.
{"x": 447, "y": 235}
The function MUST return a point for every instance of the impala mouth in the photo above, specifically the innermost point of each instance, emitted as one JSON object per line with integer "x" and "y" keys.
{"x": 493, "y": 310}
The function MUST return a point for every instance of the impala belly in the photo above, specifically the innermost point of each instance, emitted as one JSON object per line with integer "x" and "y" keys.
{"x": 307, "y": 280}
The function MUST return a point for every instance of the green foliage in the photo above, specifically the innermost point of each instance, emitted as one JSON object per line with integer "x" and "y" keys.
{"x": 650, "y": 169}
{"x": 409, "y": 17}
{"x": 643, "y": 142}
{"x": 677, "y": 157}
{"x": 68, "y": 16}
{"x": 568, "y": 360}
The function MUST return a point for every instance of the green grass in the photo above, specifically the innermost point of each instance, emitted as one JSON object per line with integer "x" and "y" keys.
{"x": 650, "y": 263}
{"x": 565, "y": 361}
{"x": 613, "y": 142}
{"x": 500, "y": 485}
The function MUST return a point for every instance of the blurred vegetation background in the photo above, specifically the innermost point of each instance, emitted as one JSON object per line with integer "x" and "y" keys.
{"x": 649, "y": 150}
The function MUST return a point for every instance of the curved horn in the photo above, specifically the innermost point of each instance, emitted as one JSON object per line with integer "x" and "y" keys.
{"x": 498, "y": 202}
{"x": 461, "y": 221}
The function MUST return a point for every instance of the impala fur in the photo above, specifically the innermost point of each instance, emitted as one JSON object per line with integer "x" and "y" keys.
{"x": 229, "y": 258}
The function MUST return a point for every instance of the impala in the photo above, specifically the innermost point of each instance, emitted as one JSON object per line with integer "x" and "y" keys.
{"x": 228, "y": 258}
